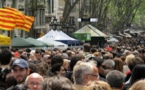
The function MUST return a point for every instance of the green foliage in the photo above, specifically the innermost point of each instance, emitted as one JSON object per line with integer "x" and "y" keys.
{"x": 139, "y": 19}
{"x": 122, "y": 13}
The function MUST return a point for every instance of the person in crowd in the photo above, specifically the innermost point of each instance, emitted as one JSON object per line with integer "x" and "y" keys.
{"x": 38, "y": 55}
{"x": 118, "y": 64}
{"x": 115, "y": 79}
{"x": 108, "y": 56}
{"x": 20, "y": 87}
{"x": 34, "y": 81}
{"x": 73, "y": 62}
{"x": 131, "y": 64}
{"x": 86, "y": 49}
{"x": 56, "y": 66}
{"x": 128, "y": 58}
{"x": 58, "y": 69}
{"x": 83, "y": 73}
{"x": 66, "y": 64}
{"x": 56, "y": 59}
{"x": 137, "y": 74}
{"x": 47, "y": 60}
{"x": 65, "y": 55}
{"x": 57, "y": 83}
{"x": 98, "y": 85}
{"x": 142, "y": 54}
{"x": 97, "y": 54}
{"x": 108, "y": 64}
{"x": 135, "y": 53}
{"x": 20, "y": 69}
{"x": 5, "y": 60}
{"x": 70, "y": 54}
{"x": 139, "y": 85}
{"x": 39, "y": 64}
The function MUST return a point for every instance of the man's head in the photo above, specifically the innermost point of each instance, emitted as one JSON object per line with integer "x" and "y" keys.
{"x": 20, "y": 70}
{"x": 47, "y": 59}
{"x": 70, "y": 54}
{"x": 108, "y": 64}
{"x": 115, "y": 79}
{"x": 34, "y": 81}
{"x": 86, "y": 47}
{"x": 38, "y": 54}
{"x": 57, "y": 83}
{"x": 56, "y": 59}
{"x": 84, "y": 72}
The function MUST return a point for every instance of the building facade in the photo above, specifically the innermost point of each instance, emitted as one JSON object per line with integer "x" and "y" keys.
{"x": 44, "y": 12}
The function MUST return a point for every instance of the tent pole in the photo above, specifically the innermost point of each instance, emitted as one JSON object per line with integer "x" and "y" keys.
{"x": 10, "y": 47}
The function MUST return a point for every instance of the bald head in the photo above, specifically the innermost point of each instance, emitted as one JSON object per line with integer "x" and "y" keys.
{"x": 34, "y": 81}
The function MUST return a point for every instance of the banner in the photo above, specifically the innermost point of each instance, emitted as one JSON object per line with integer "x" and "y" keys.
{"x": 4, "y": 40}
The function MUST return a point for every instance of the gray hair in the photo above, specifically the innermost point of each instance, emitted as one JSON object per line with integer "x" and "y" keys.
{"x": 115, "y": 79}
{"x": 80, "y": 69}
{"x": 109, "y": 64}
{"x": 35, "y": 75}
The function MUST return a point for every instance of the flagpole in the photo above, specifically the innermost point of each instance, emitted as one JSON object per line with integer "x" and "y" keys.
{"x": 10, "y": 47}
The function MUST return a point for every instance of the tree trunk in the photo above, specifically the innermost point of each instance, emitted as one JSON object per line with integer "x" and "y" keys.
{"x": 67, "y": 10}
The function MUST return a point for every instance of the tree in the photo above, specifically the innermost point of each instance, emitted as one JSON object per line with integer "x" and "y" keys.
{"x": 125, "y": 11}
{"x": 96, "y": 9}
{"x": 111, "y": 14}
{"x": 99, "y": 9}
{"x": 139, "y": 18}
{"x": 67, "y": 9}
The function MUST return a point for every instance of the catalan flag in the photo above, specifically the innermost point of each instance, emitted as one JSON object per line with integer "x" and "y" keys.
{"x": 28, "y": 23}
{"x": 7, "y": 21}
{"x": 20, "y": 17}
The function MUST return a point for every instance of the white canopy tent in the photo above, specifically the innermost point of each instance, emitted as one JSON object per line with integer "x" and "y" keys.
{"x": 60, "y": 36}
{"x": 55, "y": 43}
{"x": 65, "y": 35}
{"x": 51, "y": 37}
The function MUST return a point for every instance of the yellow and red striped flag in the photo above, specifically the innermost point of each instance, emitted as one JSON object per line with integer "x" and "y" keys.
{"x": 22, "y": 22}
{"x": 7, "y": 21}
{"x": 28, "y": 23}
{"x": 20, "y": 17}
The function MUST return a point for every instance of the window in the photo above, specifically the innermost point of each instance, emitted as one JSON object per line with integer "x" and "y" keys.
{"x": 50, "y": 6}
{"x": 71, "y": 21}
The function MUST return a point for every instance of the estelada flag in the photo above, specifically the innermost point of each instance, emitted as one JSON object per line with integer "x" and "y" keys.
{"x": 7, "y": 19}
{"x": 28, "y": 23}
{"x": 20, "y": 17}
{"x": 22, "y": 22}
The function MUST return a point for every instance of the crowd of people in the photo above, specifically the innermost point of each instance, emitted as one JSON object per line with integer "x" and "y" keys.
{"x": 114, "y": 67}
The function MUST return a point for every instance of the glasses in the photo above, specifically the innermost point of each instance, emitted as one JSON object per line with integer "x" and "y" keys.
{"x": 32, "y": 84}
{"x": 94, "y": 75}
